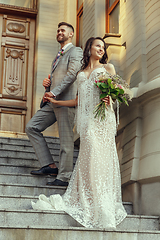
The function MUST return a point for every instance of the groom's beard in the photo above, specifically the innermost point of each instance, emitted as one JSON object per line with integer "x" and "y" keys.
{"x": 62, "y": 40}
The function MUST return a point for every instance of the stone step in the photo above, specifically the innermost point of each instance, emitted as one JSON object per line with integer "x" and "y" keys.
{"x": 20, "y": 162}
{"x": 54, "y": 148}
{"x": 17, "y": 154}
{"x": 74, "y": 233}
{"x": 18, "y": 143}
{"x": 22, "y": 149}
{"x": 27, "y": 148}
{"x": 23, "y": 168}
{"x": 22, "y": 202}
{"x": 14, "y": 190}
{"x": 46, "y": 219}
{"x": 30, "y": 190}
{"x": 16, "y": 202}
{"x": 15, "y": 178}
{"x": 26, "y": 142}
{"x": 9, "y": 168}
{"x": 13, "y": 153}
{"x": 27, "y": 162}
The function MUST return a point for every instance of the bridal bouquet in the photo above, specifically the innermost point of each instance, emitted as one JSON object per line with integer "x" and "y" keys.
{"x": 114, "y": 87}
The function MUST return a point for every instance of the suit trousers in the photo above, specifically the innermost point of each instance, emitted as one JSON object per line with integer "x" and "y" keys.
{"x": 44, "y": 118}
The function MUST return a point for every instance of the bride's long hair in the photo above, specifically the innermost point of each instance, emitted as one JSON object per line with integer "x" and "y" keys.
{"x": 86, "y": 53}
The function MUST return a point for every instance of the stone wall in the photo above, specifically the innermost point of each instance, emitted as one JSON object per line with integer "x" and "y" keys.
{"x": 94, "y": 22}
{"x": 139, "y": 130}
{"x": 152, "y": 16}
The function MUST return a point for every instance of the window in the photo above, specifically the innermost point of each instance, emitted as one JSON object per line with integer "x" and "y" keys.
{"x": 21, "y": 3}
{"x": 79, "y": 23}
{"x": 112, "y": 16}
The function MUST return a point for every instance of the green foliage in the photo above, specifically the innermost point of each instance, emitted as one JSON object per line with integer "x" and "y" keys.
{"x": 110, "y": 86}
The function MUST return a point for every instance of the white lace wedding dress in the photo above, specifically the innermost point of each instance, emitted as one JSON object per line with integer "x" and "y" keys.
{"x": 93, "y": 196}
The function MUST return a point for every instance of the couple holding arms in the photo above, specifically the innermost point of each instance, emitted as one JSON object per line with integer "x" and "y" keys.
{"x": 93, "y": 196}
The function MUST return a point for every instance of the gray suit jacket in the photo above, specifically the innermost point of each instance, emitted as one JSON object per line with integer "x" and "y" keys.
{"x": 65, "y": 72}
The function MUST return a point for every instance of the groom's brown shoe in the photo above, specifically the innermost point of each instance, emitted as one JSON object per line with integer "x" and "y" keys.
{"x": 46, "y": 170}
{"x": 58, "y": 182}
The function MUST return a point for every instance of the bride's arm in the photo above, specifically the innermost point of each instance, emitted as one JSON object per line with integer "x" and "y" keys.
{"x": 110, "y": 68}
{"x": 67, "y": 103}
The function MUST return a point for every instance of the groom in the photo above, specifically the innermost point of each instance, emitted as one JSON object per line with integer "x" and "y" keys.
{"x": 61, "y": 85}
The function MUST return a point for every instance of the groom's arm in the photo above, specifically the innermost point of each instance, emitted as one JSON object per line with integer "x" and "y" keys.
{"x": 74, "y": 66}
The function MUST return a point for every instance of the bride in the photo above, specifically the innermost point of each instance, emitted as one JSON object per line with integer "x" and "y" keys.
{"x": 93, "y": 197}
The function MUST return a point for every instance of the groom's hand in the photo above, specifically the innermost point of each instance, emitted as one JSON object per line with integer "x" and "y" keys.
{"x": 47, "y": 94}
{"x": 47, "y": 81}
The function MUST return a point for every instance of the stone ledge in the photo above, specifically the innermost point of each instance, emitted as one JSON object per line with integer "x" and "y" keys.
{"x": 75, "y": 233}
{"x": 43, "y": 219}
{"x": 84, "y": 229}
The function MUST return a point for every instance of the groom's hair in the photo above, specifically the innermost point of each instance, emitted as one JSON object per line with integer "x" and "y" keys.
{"x": 66, "y": 24}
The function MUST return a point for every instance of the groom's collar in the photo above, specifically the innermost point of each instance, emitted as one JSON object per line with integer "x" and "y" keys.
{"x": 66, "y": 46}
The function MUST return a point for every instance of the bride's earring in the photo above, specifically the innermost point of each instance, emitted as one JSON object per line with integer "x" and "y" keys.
{"x": 89, "y": 53}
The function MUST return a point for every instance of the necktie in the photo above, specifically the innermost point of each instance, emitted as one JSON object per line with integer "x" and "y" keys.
{"x": 57, "y": 57}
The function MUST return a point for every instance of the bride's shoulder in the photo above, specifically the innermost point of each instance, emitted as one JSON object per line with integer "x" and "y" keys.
{"x": 79, "y": 73}
{"x": 110, "y": 68}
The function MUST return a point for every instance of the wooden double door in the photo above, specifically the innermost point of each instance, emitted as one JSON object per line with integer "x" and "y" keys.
{"x": 17, "y": 49}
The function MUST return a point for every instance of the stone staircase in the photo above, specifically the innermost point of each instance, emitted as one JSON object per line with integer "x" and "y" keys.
{"x": 18, "y": 221}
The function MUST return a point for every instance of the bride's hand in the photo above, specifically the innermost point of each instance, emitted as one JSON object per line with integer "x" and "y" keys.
{"x": 52, "y": 100}
{"x": 106, "y": 100}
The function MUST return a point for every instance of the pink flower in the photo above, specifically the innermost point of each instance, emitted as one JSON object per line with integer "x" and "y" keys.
{"x": 119, "y": 86}
{"x": 96, "y": 81}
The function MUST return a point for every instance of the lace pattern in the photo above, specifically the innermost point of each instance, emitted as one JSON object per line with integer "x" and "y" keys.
{"x": 93, "y": 196}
